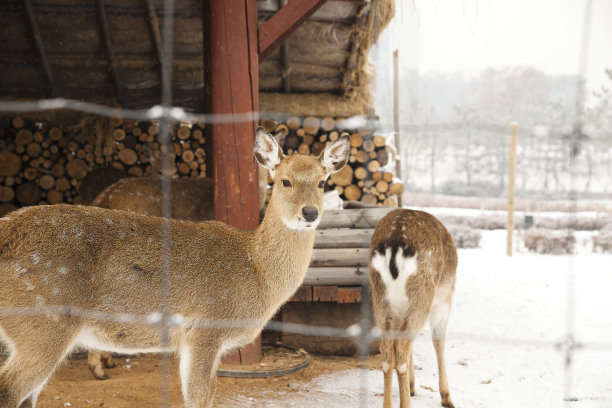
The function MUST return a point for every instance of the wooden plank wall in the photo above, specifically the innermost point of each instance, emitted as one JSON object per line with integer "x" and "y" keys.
{"x": 339, "y": 264}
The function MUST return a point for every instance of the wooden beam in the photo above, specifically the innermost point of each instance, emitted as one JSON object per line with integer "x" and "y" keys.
{"x": 337, "y": 276}
{"x": 343, "y": 238}
{"x": 357, "y": 257}
{"x": 108, "y": 48}
{"x": 274, "y": 31}
{"x": 353, "y": 218}
{"x": 40, "y": 47}
{"x": 155, "y": 31}
{"x": 285, "y": 61}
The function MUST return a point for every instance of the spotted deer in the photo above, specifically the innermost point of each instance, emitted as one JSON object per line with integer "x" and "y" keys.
{"x": 413, "y": 264}
{"x": 225, "y": 283}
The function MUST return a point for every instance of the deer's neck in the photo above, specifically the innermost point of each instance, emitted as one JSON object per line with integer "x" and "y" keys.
{"x": 282, "y": 255}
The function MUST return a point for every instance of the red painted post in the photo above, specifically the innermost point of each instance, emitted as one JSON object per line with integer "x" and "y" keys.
{"x": 231, "y": 65}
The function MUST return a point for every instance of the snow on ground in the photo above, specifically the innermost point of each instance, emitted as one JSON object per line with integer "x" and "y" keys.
{"x": 474, "y": 212}
{"x": 509, "y": 313}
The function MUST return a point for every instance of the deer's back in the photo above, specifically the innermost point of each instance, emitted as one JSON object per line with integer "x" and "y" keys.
{"x": 113, "y": 261}
{"x": 190, "y": 198}
{"x": 418, "y": 233}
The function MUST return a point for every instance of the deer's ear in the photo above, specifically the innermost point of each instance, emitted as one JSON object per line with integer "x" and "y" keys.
{"x": 267, "y": 151}
{"x": 336, "y": 155}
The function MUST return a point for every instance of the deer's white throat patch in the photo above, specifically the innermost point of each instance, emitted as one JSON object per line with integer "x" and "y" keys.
{"x": 395, "y": 289}
{"x": 298, "y": 224}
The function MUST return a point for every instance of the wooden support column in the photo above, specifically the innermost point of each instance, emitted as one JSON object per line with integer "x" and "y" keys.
{"x": 232, "y": 91}
{"x": 231, "y": 83}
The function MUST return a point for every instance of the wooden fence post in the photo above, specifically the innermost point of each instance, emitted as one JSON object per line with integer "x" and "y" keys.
{"x": 511, "y": 177}
{"x": 396, "y": 122}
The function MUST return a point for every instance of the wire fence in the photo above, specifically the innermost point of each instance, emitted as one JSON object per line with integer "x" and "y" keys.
{"x": 363, "y": 332}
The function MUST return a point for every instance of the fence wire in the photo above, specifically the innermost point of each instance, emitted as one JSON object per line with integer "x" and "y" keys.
{"x": 363, "y": 333}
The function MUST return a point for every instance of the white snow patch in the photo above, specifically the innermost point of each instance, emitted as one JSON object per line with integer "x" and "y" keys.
{"x": 508, "y": 314}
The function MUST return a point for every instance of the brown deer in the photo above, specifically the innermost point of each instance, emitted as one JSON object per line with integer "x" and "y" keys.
{"x": 191, "y": 199}
{"x": 413, "y": 264}
{"x": 225, "y": 283}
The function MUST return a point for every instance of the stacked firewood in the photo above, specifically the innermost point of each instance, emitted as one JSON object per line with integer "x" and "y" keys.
{"x": 41, "y": 164}
{"x": 366, "y": 178}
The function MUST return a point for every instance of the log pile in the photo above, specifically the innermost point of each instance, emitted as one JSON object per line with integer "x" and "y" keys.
{"x": 365, "y": 178}
{"x": 45, "y": 164}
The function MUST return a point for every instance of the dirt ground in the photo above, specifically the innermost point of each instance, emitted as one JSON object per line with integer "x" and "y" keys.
{"x": 136, "y": 383}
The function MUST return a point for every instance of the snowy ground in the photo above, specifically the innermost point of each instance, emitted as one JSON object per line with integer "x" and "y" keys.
{"x": 509, "y": 316}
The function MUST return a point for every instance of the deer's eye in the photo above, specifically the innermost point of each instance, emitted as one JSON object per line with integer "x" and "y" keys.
{"x": 321, "y": 184}
{"x": 286, "y": 183}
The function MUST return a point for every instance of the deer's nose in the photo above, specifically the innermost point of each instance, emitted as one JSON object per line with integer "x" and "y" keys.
{"x": 310, "y": 213}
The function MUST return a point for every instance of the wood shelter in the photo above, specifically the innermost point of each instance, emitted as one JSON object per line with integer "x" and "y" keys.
{"x": 229, "y": 57}
{"x": 224, "y": 52}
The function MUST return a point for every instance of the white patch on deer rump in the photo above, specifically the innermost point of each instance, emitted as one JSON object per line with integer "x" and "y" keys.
{"x": 395, "y": 289}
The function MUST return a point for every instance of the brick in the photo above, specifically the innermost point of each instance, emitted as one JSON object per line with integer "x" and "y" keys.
{"x": 325, "y": 293}
{"x": 303, "y": 294}
{"x": 349, "y": 294}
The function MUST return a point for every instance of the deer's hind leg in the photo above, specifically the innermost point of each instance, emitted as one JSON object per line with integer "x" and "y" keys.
{"x": 388, "y": 358}
{"x": 94, "y": 362}
{"x": 388, "y": 363}
{"x": 403, "y": 355}
{"x": 107, "y": 360}
{"x": 411, "y": 368}
{"x": 37, "y": 348}
{"x": 438, "y": 320}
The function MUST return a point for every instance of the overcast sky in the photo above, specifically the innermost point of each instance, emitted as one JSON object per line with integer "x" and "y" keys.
{"x": 469, "y": 35}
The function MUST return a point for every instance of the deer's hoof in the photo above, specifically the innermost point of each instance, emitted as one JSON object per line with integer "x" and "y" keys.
{"x": 98, "y": 374}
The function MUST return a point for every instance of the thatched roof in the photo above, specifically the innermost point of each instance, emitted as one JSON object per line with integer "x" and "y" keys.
{"x": 110, "y": 54}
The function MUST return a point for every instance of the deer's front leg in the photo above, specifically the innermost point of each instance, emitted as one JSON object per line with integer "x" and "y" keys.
{"x": 199, "y": 359}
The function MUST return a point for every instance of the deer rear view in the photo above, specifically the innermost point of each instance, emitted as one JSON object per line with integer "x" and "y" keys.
{"x": 413, "y": 264}
{"x": 111, "y": 261}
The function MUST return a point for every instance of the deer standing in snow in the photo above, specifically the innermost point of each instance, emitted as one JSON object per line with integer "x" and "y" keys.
{"x": 225, "y": 283}
{"x": 413, "y": 264}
